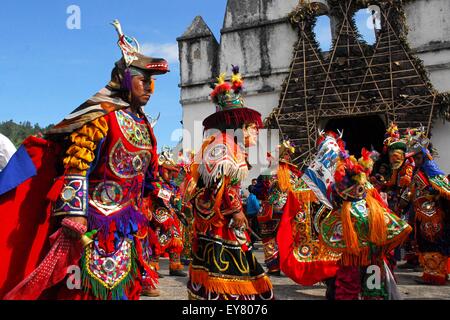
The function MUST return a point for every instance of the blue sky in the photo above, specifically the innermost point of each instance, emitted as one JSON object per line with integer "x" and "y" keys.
{"x": 47, "y": 70}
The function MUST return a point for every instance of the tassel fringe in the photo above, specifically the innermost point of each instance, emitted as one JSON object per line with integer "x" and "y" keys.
{"x": 377, "y": 225}
{"x": 230, "y": 286}
{"x": 102, "y": 292}
{"x": 361, "y": 259}
{"x": 349, "y": 233}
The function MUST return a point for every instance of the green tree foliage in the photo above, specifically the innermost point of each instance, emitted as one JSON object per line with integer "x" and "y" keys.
{"x": 17, "y": 132}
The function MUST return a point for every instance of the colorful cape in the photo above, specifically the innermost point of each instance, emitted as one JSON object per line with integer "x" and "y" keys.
{"x": 25, "y": 214}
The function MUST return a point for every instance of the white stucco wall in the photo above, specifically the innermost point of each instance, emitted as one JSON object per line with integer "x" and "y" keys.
{"x": 428, "y": 20}
{"x": 441, "y": 141}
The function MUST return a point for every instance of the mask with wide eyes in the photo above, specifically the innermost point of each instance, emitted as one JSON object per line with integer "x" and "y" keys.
{"x": 396, "y": 158}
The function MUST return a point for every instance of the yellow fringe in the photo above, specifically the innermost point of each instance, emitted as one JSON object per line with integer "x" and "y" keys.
{"x": 230, "y": 286}
{"x": 81, "y": 154}
{"x": 377, "y": 225}
{"x": 349, "y": 233}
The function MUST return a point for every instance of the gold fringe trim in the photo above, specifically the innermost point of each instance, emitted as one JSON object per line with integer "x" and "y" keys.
{"x": 230, "y": 286}
{"x": 177, "y": 244}
{"x": 154, "y": 265}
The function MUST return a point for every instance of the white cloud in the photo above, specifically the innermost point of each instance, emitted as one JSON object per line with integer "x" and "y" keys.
{"x": 168, "y": 51}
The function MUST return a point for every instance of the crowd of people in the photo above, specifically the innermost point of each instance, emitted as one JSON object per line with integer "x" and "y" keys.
{"x": 93, "y": 193}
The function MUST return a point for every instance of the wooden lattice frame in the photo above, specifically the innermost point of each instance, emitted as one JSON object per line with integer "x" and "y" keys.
{"x": 356, "y": 79}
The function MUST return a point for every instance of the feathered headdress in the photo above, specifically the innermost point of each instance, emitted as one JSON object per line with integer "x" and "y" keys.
{"x": 286, "y": 149}
{"x": 367, "y": 160}
{"x": 417, "y": 141}
{"x": 230, "y": 108}
{"x": 393, "y": 140}
{"x": 350, "y": 178}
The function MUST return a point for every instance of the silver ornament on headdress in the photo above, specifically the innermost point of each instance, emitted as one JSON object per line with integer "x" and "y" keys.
{"x": 129, "y": 46}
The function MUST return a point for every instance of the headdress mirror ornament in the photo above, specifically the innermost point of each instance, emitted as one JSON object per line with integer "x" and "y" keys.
{"x": 227, "y": 95}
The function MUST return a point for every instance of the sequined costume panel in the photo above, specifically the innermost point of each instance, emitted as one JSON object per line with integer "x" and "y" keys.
{"x": 223, "y": 264}
{"x": 115, "y": 259}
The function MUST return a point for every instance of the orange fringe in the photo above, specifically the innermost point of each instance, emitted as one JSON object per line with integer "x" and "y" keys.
{"x": 305, "y": 196}
{"x": 230, "y": 286}
{"x": 217, "y": 220}
{"x": 284, "y": 177}
{"x": 349, "y": 233}
{"x": 218, "y": 200}
{"x": 352, "y": 260}
{"x": 177, "y": 245}
{"x": 377, "y": 225}
{"x": 175, "y": 266}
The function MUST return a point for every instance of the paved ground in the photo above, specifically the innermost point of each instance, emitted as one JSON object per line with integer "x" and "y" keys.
{"x": 174, "y": 288}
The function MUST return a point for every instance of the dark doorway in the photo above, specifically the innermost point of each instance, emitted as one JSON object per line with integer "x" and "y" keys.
{"x": 360, "y": 132}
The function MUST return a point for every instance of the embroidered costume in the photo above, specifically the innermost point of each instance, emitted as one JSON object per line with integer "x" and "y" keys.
{"x": 272, "y": 188}
{"x": 396, "y": 188}
{"x": 106, "y": 159}
{"x": 186, "y": 208}
{"x": 223, "y": 265}
{"x": 166, "y": 210}
{"x": 303, "y": 257}
{"x": 430, "y": 196}
{"x": 363, "y": 229}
